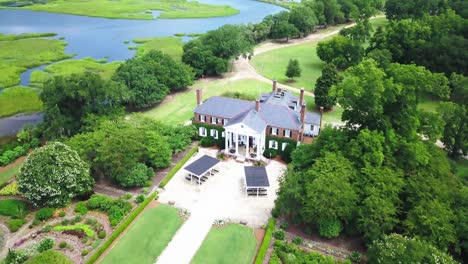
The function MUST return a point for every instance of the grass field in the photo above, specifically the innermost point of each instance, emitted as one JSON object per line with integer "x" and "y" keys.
{"x": 273, "y": 64}
{"x": 234, "y": 244}
{"x": 134, "y": 9}
{"x": 178, "y": 107}
{"x": 19, "y": 100}
{"x": 146, "y": 238}
{"x": 69, "y": 67}
{"x": 8, "y": 174}
{"x": 172, "y": 46}
{"x": 17, "y": 56}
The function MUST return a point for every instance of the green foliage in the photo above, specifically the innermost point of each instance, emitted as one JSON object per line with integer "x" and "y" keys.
{"x": 83, "y": 227}
{"x": 270, "y": 153}
{"x": 150, "y": 77}
{"x": 395, "y": 10}
{"x": 340, "y": 51}
{"x": 16, "y": 256}
{"x": 279, "y": 234}
{"x": 330, "y": 228}
{"x": 116, "y": 209}
{"x": 44, "y": 214}
{"x": 395, "y": 248}
{"x": 13, "y": 208}
{"x": 177, "y": 167}
{"x": 455, "y": 131}
{"x": 84, "y": 252}
{"x": 159, "y": 151}
{"x": 211, "y": 53}
{"x": 45, "y": 244}
{"x": 19, "y": 99}
{"x": 81, "y": 208}
{"x": 266, "y": 241}
{"x": 135, "y": 177}
{"x": 293, "y": 69}
{"x": 120, "y": 229}
{"x": 140, "y": 198}
{"x": 297, "y": 240}
{"x": 10, "y": 189}
{"x": 63, "y": 244}
{"x": 15, "y": 224}
{"x": 281, "y": 28}
{"x": 207, "y": 142}
{"x": 49, "y": 256}
{"x": 53, "y": 175}
{"x": 102, "y": 234}
{"x": 355, "y": 257}
{"x": 323, "y": 95}
{"x": 288, "y": 253}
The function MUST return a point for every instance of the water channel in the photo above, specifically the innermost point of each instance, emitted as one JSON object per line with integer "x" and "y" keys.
{"x": 104, "y": 38}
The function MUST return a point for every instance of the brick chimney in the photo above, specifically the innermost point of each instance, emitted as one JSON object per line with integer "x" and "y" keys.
{"x": 199, "y": 96}
{"x": 301, "y": 98}
{"x": 257, "y": 106}
{"x": 274, "y": 86}
{"x": 321, "y": 118}
{"x": 303, "y": 112}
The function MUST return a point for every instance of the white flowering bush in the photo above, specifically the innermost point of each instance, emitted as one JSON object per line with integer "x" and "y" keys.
{"x": 184, "y": 213}
{"x": 53, "y": 175}
{"x": 221, "y": 222}
{"x": 396, "y": 248}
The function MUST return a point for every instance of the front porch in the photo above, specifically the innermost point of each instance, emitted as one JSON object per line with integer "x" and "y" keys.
{"x": 245, "y": 146}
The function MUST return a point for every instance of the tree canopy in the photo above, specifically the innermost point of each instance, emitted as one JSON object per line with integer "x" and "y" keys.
{"x": 53, "y": 175}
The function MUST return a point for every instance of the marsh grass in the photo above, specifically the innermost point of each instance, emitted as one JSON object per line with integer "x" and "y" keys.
{"x": 172, "y": 46}
{"x": 19, "y": 99}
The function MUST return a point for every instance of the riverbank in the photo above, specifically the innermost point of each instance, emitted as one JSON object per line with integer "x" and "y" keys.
{"x": 134, "y": 9}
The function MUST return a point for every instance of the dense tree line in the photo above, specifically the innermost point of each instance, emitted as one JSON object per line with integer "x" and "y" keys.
{"x": 124, "y": 151}
{"x": 377, "y": 175}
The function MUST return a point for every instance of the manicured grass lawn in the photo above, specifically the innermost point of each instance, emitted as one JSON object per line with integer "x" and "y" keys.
{"x": 133, "y": 9}
{"x": 172, "y": 46}
{"x": 146, "y": 238}
{"x": 178, "y": 108}
{"x": 8, "y": 174}
{"x": 69, "y": 67}
{"x": 234, "y": 244}
{"x": 17, "y": 56}
{"x": 429, "y": 104}
{"x": 272, "y": 64}
{"x": 19, "y": 100}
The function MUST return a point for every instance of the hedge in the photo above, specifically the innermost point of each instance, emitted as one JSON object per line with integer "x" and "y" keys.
{"x": 177, "y": 167}
{"x": 266, "y": 241}
{"x": 120, "y": 229}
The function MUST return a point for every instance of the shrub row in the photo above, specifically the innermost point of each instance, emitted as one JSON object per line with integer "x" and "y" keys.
{"x": 11, "y": 152}
{"x": 116, "y": 209}
{"x": 120, "y": 229}
{"x": 177, "y": 167}
{"x": 85, "y": 228}
{"x": 44, "y": 214}
{"x": 266, "y": 241}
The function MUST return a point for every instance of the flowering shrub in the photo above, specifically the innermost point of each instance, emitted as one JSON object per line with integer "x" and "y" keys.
{"x": 10, "y": 189}
{"x": 184, "y": 213}
{"x": 221, "y": 222}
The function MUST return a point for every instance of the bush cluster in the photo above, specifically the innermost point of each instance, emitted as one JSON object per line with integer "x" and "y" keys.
{"x": 10, "y": 152}
{"x": 81, "y": 208}
{"x": 116, "y": 209}
{"x": 15, "y": 224}
{"x": 270, "y": 153}
{"x": 44, "y": 214}
{"x": 140, "y": 198}
{"x": 330, "y": 228}
{"x": 10, "y": 189}
{"x": 83, "y": 227}
{"x": 207, "y": 142}
{"x": 288, "y": 253}
{"x": 279, "y": 234}
{"x": 177, "y": 167}
{"x": 45, "y": 244}
{"x": 13, "y": 208}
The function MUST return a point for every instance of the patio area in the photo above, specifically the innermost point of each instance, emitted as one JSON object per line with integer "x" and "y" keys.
{"x": 223, "y": 195}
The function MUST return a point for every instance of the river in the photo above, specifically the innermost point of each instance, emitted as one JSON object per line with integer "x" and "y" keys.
{"x": 104, "y": 38}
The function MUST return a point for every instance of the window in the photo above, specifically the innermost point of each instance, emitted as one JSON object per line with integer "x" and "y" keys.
{"x": 287, "y": 133}
{"x": 273, "y": 144}
{"x": 214, "y": 133}
{"x": 283, "y": 146}
{"x": 214, "y": 120}
{"x": 274, "y": 131}
{"x": 312, "y": 127}
{"x": 225, "y": 120}
{"x": 202, "y": 131}
{"x": 202, "y": 118}
{"x": 223, "y": 134}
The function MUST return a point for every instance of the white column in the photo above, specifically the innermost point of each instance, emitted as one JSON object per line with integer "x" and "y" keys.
{"x": 258, "y": 147}
{"x": 226, "y": 147}
{"x": 237, "y": 142}
{"x": 247, "y": 147}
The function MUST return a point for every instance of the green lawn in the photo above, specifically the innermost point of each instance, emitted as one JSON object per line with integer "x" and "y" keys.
{"x": 234, "y": 244}
{"x": 16, "y": 56}
{"x": 178, "y": 108}
{"x": 272, "y": 64}
{"x": 7, "y": 175}
{"x": 147, "y": 237}
{"x": 429, "y": 104}
{"x": 172, "y": 46}
{"x": 19, "y": 99}
{"x": 69, "y": 67}
{"x": 133, "y": 9}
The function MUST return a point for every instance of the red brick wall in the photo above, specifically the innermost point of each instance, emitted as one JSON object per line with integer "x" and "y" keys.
{"x": 208, "y": 120}
{"x": 294, "y": 133}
